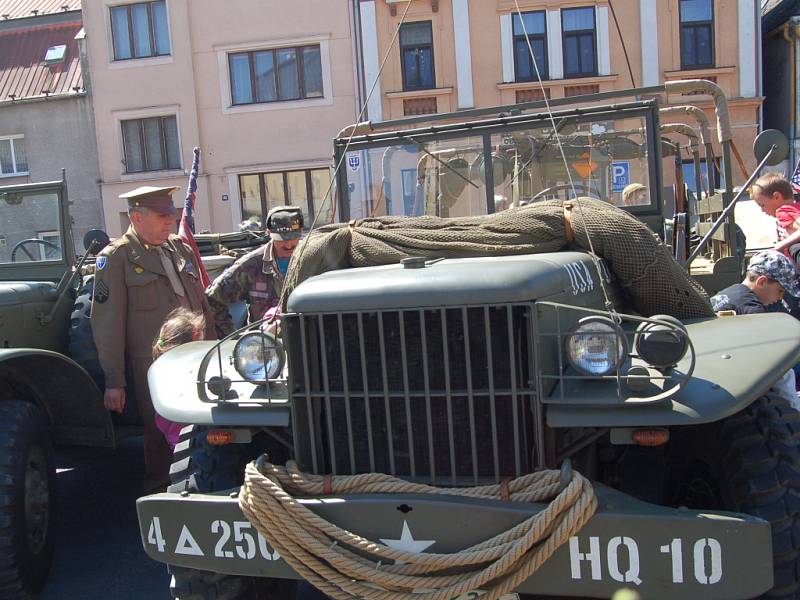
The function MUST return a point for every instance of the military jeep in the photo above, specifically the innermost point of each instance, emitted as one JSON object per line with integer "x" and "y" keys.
{"x": 469, "y": 371}
{"x": 46, "y": 397}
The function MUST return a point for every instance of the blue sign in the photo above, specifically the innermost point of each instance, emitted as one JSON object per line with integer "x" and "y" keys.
{"x": 620, "y": 175}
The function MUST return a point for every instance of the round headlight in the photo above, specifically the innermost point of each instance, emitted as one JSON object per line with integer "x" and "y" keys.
{"x": 597, "y": 347}
{"x": 258, "y": 357}
{"x": 662, "y": 344}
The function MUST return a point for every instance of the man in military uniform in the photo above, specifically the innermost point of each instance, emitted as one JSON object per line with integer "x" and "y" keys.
{"x": 257, "y": 277}
{"x": 139, "y": 278}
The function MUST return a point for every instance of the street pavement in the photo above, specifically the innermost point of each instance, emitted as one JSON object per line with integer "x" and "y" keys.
{"x": 98, "y": 550}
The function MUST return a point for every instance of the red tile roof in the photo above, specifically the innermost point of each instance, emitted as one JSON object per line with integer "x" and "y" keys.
{"x": 23, "y": 73}
{"x": 18, "y": 9}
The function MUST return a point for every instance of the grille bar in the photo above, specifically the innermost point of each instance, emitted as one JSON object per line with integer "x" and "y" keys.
{"x": 443, "y": 396}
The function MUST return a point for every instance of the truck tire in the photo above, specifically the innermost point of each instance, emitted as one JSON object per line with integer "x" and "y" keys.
{"x": 201, "y": 467}
{"x": 27, "y": 484}
{"x": 81, "y": 343}
{"x": 83, "y": 351}
{"x": 755, "y": 469}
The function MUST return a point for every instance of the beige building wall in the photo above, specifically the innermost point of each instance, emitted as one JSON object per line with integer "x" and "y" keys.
{"x": 193, "y": 84}
{"x": 651, "y": 29}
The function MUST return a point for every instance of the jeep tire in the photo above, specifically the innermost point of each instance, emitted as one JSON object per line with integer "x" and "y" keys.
{"x": 27, "y": 478}
{"x": 752, "y": 465}
{"x": 201, "y": 467}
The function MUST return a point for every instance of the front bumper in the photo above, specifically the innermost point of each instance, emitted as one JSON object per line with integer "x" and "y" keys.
{"x": 663, "y": 553}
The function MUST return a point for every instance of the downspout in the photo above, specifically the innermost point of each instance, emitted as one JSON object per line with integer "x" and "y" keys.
{"x": 793, "y": 110}
{"x": 360, "y": 85}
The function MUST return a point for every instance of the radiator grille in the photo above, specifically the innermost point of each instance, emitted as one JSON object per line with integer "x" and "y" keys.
{"x": 441, "y": 396}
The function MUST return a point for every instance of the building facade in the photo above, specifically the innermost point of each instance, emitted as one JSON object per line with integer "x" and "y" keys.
{"x": 46, "y": 121}
{"x": 261, "y": 87}
{"x": 460, "y": 54}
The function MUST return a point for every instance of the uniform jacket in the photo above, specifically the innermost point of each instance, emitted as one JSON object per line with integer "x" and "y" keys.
{"x": 133, "y": 295}
{"x": 254, "y": 278}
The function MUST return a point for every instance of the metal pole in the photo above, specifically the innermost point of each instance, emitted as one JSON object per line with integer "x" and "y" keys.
{"x": 729, "y": 209}
{"x": 710, "y": 166}
{"x": 728, "y": 194}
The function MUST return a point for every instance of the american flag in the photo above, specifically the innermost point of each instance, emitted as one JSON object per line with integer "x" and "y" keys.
{"x": 186, "y": 229}
{"x": 796, "y": 178}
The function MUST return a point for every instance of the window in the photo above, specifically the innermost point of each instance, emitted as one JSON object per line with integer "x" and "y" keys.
{"x": 411, "y": 208}
{"x": 275, "y": 75}
{"x": 416, "y": 56}
{"x": 13, "y": 160}
{"x": 697, "y": 33}
{"x": 140, "y": 30}
{"x": 535, "y": 24}
{"x": 151, "y": 144}
{"x": 305, "y": 188}
{"x": 51, "y": 249}
{"x": 580, "y": 45}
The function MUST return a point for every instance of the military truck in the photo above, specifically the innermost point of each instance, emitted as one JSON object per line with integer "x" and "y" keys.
{"x": 463, "y": 372}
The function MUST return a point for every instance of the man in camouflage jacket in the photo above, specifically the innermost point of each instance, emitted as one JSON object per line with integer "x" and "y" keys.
{"x": 257, "y": 277}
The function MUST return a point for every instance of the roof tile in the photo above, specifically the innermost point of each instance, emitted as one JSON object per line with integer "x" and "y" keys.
{"x": 19, "y": 9}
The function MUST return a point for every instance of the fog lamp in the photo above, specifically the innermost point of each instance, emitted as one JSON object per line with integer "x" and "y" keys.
{"x": 597, "y": 347}
{"x": 662, "y": 341}
{"x": 258, "y": 357}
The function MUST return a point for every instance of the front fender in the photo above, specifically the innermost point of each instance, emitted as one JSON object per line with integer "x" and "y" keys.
{"x": 738, "y": 359}
{"x": 173, "y": 381}
{"x": 69, "y": 396}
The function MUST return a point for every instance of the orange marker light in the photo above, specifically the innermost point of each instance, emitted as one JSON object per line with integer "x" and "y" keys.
{"x": 219, "y": 437}
{"x": 651, "y": 437}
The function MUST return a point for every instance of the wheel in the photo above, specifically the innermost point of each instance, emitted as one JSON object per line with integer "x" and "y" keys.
{"x": 81, "y": 343}
{"x": 753, "y": 467}
{"x": 83, "y": 351}
{"x": 46, "y": 244}
{"x": 201, "y": 467}
{"x": 27, "y": 484}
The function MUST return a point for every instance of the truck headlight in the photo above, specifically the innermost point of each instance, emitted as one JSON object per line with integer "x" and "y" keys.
{"x": 258, "y": 357}
{"x": 597, "y": 347}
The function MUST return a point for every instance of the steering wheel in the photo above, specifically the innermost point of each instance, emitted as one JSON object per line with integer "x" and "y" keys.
{"x": 579, "y": 187}
{"x": 22, "y": 243}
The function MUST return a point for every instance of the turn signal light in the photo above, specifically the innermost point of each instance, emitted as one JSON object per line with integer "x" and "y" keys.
{"x": 651, "y": 437}
{"x": 219, "y": 437}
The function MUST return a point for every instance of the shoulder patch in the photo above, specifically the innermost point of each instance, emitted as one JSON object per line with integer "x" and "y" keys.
{"x": 101, "y": 263}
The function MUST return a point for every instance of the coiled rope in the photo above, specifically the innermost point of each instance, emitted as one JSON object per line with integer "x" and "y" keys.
{"x": 344, "y": 565}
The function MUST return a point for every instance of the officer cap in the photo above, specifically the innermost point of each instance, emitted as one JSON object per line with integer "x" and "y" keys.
{"x": 285, "y": 223}
{"x": 158, "y": 199}
{"x": 773, "y": 264}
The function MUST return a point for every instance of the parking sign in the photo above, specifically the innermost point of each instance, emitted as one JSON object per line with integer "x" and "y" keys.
{"x": 620, "y": 175}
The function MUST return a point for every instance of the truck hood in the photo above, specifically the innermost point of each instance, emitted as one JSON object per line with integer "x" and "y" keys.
{"x": 449, "y": 282}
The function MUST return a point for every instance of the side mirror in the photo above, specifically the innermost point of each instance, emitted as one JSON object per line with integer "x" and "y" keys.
{"x": 95, "y": 240}
{"x": 765, "y": 141}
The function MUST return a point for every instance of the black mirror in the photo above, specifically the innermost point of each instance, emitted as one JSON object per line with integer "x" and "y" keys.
{"x": 765, "y": 141}
{"x": 95, "y": 240}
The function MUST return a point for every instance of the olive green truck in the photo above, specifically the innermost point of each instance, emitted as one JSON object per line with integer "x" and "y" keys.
{"x": 473, "y": 371}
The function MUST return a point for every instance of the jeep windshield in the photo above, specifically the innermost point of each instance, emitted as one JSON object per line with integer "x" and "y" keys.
{"x": 484, "y": 166}
{"x": 32, "y": 234}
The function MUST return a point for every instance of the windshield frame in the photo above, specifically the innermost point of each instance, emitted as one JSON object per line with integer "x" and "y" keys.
{"x": 646, "y": 109}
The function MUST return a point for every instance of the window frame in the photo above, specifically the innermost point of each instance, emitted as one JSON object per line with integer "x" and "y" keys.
{"x": 695, "y": 25}
{"x": 577, "y": 34}
{"x": 15, "y": 172}
{"x": 404, "y": 47}
{"x": 543, "y": 72}
{"x": 43, "y": 235}
{"x": 150, "y": 30}
{"x": 162, "y": 139}
{"x": 262, "y": 190}
{"x": 301, "y": 82}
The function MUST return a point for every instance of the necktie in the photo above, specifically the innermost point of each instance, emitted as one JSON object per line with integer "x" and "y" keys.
{"x": 172, "y": 274}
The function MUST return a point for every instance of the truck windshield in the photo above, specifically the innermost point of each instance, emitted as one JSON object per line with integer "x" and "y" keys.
{"x": 31, "y": 230}
{"x": 459, "y": 172}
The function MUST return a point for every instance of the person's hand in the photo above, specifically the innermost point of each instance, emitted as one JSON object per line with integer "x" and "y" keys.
{"x": 114, "y": 399}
